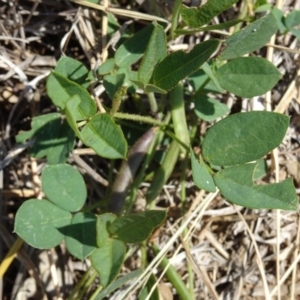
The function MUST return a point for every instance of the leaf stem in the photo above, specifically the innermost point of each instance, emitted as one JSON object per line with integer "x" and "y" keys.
{"x": 138, "y": 118}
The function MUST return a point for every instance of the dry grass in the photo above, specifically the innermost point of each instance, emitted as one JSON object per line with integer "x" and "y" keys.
{"x": 226, "y": 252}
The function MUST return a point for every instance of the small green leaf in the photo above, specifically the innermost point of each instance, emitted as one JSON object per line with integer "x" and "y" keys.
{"x": 108, "y": 259}
{"x": 73, "y": 69}
{"x": 243, "y": 137}
{"x": 62, "y": 145}
{"x": 248, "y": 76}
{"x": 235, "y": 184}
{"x": 60, "y": 89}
{"x": 292, "y": 19}
{"x": 279, "y": 16}
{"x": 105, "y": 137}
{"x": 113, "y": 83}
{"x": 64, "y": 186}
{"x": 133, "y": 49}
{"x": 37, "y": 222}
{"x": 103, "y": 221}
{"x": 250, "y": 38}
{"x": 138, "y": 227}
{"x": 106, "y": 67}
{"x": 201, "y": 176}
{"x": 81, "y": 235}
{"x": 179, "y": 65}
{"x": 44, "y": 130}
{"x": 155, "y": 52}
{"x": 199, "y": 16}
{"x": 209, "y": 109}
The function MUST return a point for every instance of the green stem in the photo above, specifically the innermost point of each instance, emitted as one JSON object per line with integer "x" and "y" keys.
{"x": 175, "y": 16}
{"x": 153, "y": 103}
{"x": 178, "y": 116}
{"x": 87, "y": 284}
{"x": 138, "y": 118}
{"x": 174, "y": 278}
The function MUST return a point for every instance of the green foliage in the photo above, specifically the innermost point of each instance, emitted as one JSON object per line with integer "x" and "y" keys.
{"x": 136, "y": 228}
{"x": 108, "y": 259}
{"x": 201, "y": 175}
{"x": 290, "y": 23}
{"x": 236, "y": 184}
{"x": 81, "y": 235}
{"x": 179, "y": 65}
{"x": 209, "y": 109}
{"x": 197, "y": 17}
{"x": 227, "y": 148}
{"x": 105, "y": 137}
{"x": 53, "y": 137}
{"x": 64, "y": 186}
{"x": 38, "y": 222}
{"x": 243, "y": 137}
{"x": 250, "y": 38}
{"x": 248, "y": 76}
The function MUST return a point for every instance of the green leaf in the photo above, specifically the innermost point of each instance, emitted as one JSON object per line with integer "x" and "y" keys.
{"x": 279, "y": 16}
{"x": 37, "y": 222}
{"x": 138, "y": 227}
{"x": 263, "y": 8}
{"x": 108, "y": 259}
{"x": 261, "y": 169}
{"x": 209, "y": 109}
{"x": 155, "y": 52}
{"x": 220, "y": 26}
{"x": 179, "y": 65}
{"x": 60, "y": 89}
{"x": 71, "y": 110}
{"x": 292, "y": 19}
{"x": 64, "y": 186}
{"x": 44, "y": 130}
{"x": 235, "y": 184}
{"x": 201, "y": 176}
{"x": 243, "y": 137}
{"x": 105, "y": 137}
{"x": 248, "y": 76}
{"x": 103, "y": 221}
{"x": 197, "y": 17}
{"x": 113, "y": 83}
{"x": 113, "y": 25}
{"x": 118, "y": 283}
{"x": 201, "y": 83}
{"x": 295, "y": 32}
{"x": 106, "y": 67}
{"x": 208, "y": 71}
{"x": 81, "y": 235}
{"x": 62, "y": 145}
{"x": 74, "y": 70}
{"x": 133, "y": 49}
{"x": 250, "y": 38}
